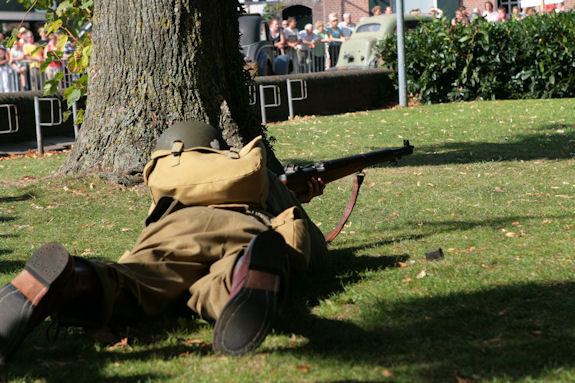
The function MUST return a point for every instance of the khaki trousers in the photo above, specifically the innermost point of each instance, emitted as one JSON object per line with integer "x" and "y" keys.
{"x": 189, "y": 254}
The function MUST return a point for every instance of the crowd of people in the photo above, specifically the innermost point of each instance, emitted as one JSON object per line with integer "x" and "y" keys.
{"x": 500, "y": 14}
{"x": 317, "y": 46}
{"x": 314, "y": 49}
{"x": 20, "y": 64}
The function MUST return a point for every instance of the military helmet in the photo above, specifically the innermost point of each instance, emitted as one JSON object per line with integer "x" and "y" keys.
{"x": 192, "y": 134}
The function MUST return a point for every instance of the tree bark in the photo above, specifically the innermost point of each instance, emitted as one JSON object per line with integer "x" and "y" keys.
{"x": 156, "y": 62}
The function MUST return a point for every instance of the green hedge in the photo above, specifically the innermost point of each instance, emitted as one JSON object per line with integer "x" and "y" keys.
{"x": 529, "y": 58}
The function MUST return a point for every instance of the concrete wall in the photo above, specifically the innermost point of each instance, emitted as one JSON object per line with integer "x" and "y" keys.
{"x": 330, "y": 92}
{"x": 26, "y": 118}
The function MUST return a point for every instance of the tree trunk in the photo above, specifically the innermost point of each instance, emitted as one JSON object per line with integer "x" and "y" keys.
{"x": 156, "y": 62}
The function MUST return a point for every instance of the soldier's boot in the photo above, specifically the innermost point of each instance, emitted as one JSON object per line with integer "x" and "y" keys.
{"x": 247, "y": 317}
{"x": 48, "y": 282}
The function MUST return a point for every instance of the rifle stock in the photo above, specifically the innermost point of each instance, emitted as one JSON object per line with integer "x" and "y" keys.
{"x": 296, "y": 177}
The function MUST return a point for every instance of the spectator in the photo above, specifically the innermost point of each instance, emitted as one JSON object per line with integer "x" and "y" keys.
{"x": 474, "y": 15}
{"x": 502, "y": 15}
{"x": 55, "y": 66}
{"x": 5, "y": 70}
{"x": 560, "y": 7}
{"x": 320, "y": 46}
{"x": 489, "y": 13}
{"x": 529, "y": 11}
{"x": 43, "y": 36}
{"x": 284, "y": 24}
{"x": 346, "y": 26}
{"x": 376, "y": 11}
{"x": 388, "y": 10}
{"x": 277, "y": 36}
{"x": 415, "y": 11}
{"x": 436, "y": 13}
{"x": 292, "y": 41}
{"x": 459, "y": 18}
{"x": 307, "y": 42}
{"x": 20, "y": 35}
{"x": 17, "y": 57}
{"x": 35, "y": 54}
{"x": 516, "y": 14}
{"x": 335, "y": 39}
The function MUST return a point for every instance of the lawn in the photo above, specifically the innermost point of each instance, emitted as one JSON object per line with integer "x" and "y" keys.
{"x": 490, "y": 183}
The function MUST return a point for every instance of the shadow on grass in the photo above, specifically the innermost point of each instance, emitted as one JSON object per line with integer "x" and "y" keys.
{"x": 547, "y": 144}
{"x": 76, "y": 359}
{"x": 515, "y": 332}
{"x": 23, "y": 197}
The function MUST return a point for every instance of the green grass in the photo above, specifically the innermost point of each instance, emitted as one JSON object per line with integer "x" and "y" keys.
{"x": 491, "y": 183}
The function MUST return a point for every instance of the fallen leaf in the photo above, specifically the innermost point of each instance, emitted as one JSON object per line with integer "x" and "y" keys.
{"x": 402, "y": 264}
{"x": 407, "y": 280}
{"x": 511, "y": 234}
{"x": 123, "y": 343}
{"x": 303, "y": 367}
{"x": 422, "y": 274}
{"x": 386, "y": 373}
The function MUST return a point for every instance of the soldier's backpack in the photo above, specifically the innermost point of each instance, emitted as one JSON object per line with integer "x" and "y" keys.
{"x": 205, "y": 176}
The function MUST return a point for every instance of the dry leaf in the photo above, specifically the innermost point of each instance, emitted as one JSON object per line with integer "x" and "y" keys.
{"x": 303, "y": 367}
{"x": 407, "y": 280}
{"x": 402, "y": 264}
{"x": 123, "y": 343}
{"x": 422, "y": 274}
{"x": 386, "y": 373}
{"x": 511, "y": 234}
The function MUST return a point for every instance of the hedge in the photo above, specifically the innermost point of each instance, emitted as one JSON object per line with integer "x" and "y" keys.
{"x": 529, "y": 58}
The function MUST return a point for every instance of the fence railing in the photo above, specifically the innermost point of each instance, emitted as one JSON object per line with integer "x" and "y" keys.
{"x": 25, "y": 75}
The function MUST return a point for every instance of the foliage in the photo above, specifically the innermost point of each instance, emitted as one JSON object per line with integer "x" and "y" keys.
{"x": 272, "y": 10}
{"x": 529, "y": 58}
{"x": 490, "y": 182}
{"x": 69, "y": 18}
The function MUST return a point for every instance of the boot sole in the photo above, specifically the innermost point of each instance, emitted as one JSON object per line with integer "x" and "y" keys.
{"x": 247, "y": 318}
{"x": 16, "y": 309}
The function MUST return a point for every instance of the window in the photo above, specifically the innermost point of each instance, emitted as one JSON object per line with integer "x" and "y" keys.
{"x": 368, "y": 28}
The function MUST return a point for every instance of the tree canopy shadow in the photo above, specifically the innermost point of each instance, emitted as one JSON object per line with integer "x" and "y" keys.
{"x": 515, "y": 331}
{"x": 547, "y": 144}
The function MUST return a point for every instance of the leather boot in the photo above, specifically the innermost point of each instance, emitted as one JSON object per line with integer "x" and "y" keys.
{"x": 247, "y": 317}
{"x": 47, "y": 283}
{"x": 82, "y": 307}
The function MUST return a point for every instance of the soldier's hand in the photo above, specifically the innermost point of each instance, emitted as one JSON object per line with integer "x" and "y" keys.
{"x": 315, "y": 188}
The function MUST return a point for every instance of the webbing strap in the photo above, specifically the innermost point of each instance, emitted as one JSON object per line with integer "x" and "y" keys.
{"x": 357, "y": 181}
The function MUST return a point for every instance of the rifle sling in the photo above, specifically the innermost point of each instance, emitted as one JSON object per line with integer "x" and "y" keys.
{"x": 357, "y": 181}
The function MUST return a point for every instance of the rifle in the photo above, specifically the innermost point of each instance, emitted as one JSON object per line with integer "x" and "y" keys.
{"x": 296, "y": 177}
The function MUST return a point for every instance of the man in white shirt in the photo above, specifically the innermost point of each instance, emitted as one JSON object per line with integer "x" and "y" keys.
{"x": 292, "y": 41}
{"x": 307, "y": 42}
{"x": 346, "y": 26}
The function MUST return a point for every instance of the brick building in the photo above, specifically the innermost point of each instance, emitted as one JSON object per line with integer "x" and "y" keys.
{"x": 307, "y": 11}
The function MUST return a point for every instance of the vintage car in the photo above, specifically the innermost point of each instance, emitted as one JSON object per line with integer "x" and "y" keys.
{"x": 358, "y": 52}
{"x": 258, "y": 49}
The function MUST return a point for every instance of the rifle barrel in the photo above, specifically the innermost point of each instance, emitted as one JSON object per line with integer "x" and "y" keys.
{"x": 331, "y": 170}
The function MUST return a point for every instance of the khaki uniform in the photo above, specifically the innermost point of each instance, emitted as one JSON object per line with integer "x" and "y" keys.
{"x": 189, "y": 256}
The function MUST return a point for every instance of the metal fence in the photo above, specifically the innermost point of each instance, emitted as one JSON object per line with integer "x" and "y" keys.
{"x": 27, "y": 76}
{"x": 309, "y": 61}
